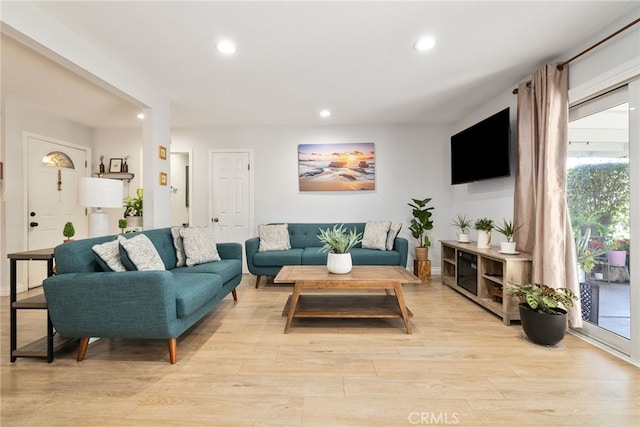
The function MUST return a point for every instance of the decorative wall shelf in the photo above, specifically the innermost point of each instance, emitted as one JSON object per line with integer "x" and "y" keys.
{"x": 124, "y": 176}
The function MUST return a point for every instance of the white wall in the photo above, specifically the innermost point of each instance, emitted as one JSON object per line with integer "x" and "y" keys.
{"x": 19, "y": 118}
{"x": 411, "y": 162}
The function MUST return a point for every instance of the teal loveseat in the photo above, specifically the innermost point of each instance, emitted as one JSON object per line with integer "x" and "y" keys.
{"x": 305, "y": 250}
{"x": 85, "y": 301}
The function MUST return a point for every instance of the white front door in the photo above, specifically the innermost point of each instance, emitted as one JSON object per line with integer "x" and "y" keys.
{"x": 231, "y": 197}
{"x": 53, "y": 169}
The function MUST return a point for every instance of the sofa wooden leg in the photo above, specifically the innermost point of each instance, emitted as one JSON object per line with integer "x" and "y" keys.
{"x": 258, "y": 281}
{"x": 173, "y": 348}
{"x": 82, "y": 349}
{"x": 235, "y": 295}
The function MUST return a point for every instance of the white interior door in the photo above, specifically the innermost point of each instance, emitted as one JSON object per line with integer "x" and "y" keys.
{"x": 231, "y": 197}
{"x": 53, "y": 169}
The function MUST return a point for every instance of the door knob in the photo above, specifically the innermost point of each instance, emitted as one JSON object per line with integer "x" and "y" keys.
{"x": 33, "y": 224}
{"x": 216, "y": 220}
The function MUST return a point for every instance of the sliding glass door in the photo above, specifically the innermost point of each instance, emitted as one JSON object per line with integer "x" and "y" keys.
{"x": 602, "y": 140}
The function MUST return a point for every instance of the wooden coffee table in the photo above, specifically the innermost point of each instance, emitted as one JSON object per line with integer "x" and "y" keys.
{"x": 361, "y": 277}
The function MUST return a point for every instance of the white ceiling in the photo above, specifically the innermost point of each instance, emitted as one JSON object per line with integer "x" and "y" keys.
{"x": 295, "y": 58}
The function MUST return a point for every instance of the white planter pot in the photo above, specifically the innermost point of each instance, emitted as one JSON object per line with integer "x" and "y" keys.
{"x": 484, "y": 239}
{"x": 339, "y": 263}
{"x": 508, "y": 248}
{"x": 463, "y": 237}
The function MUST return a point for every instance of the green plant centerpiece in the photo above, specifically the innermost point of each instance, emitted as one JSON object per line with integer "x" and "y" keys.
{"x": 484, "y": 226}
{"x": 463, "y": 224}
{"x": 338, "y": 242}
{"x": 507, "y": 229}
{"x": 68, "y": 231}
{"x": 543, "y": 311}
{"x": 419, "y": 225}
{"x": 133, "y": 207}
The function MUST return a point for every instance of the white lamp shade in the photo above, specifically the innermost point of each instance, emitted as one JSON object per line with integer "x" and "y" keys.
{"x": 100, "y": 193}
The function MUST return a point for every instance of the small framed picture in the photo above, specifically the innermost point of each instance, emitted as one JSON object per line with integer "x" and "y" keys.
{"x": 162, "y": 152}
{"x": 115, "y": 165}
{"x": 163, "y": 178}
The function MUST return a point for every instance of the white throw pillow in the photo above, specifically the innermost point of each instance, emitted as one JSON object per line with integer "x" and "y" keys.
{"x": 394, "y": 229}
{"x": 108, "y": 256}
{"x": 199, "y": 245}
{"x": 140, "y": 254}
{"x": 178, "y": 244}
{"x": 274, "y": 237}
{"x": 375, "y": 235}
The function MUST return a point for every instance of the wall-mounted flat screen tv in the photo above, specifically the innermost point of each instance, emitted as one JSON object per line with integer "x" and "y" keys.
{"x": 482, "y": 151}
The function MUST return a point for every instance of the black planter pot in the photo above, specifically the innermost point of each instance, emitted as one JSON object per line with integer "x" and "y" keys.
{"x": 542, "y": 328}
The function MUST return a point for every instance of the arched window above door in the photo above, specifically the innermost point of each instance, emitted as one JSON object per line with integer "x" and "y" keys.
{"x": 58, "y": 159}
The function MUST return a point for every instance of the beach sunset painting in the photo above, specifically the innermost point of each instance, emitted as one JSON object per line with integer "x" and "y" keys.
{"x": 337, "y": 167}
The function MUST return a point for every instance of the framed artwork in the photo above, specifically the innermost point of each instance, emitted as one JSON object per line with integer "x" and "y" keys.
{"x": 115, "y": 165}
{"x": 162, "y": 152}
{"x": 337, "y": 167}
{"x": 163, "y": 178}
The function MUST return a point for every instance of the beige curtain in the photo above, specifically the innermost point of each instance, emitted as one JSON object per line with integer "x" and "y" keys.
{"x": 540, "y": 201}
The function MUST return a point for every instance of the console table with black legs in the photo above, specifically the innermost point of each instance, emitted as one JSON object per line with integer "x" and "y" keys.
{"x": 45, "y": 346}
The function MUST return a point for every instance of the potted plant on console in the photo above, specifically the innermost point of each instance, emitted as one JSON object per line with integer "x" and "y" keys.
{"x": 338, "y": 242}
{"x": 508, "y": 229}
{"x": 543, "y": 319}
{"x": 484, "y": 226}
{"x": 463, "y": 225}
{"x": 133, "y": 209}
{"x": 68, "y": 231}
{"x": 420, "y": 224}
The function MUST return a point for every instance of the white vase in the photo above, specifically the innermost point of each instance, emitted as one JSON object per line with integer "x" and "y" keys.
{"x": 463, "y": 237}
{"x": 484, "y": 239}
{"x": 508, "y": 247}
{"x": 339, "y": 263}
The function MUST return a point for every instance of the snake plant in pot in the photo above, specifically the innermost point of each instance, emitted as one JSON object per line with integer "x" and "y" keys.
{"x": 543, "y": 318}
{"x": 338, "y": 242}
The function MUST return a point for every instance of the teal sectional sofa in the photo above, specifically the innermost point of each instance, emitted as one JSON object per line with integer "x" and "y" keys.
{"x": 85, "y": 301}
{"x": 305, "y": 250}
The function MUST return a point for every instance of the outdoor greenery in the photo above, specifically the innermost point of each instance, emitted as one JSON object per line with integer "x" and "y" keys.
{"x": 339, "y": 240}
{"x": 598, "y": 198}
{"x": 421, "y": 221}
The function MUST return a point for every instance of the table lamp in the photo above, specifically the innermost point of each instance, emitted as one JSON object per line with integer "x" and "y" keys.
{"x": 99, "y": 193}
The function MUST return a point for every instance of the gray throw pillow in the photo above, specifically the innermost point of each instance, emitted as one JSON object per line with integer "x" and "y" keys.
{"x": 394, "y": 229}
{"x": 375, "y": 235}
{"x": 199, "y": 245}
{"x": 138, "y": 253}
{"x": 178, "y": 244}
{"x": 274, "y": 237}
{"x": 108, "y": 256}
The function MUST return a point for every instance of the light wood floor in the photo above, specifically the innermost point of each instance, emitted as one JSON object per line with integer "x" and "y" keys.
{"x": 461, "y": 366}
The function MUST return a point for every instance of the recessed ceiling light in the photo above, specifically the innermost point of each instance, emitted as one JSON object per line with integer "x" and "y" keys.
{"x": 425, "y": 43}
{"x": 325, "y": 113}
{"x": 226, "y": 46}
{"x": 140, "y": 116}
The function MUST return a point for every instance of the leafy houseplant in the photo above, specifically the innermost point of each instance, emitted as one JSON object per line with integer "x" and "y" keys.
{"x": 338, "y": 242}
{"x": 133, "y": 209}
{"x": 420, "y": 224}
{"x": 68, "y": 231}
{"x": 586, "y": 252}
{"x": 541, "y": 314}
{"x": 508, "y": 229}
{"x": 462, "y": 224}
{"x": 484, "y": 226}
{"x": 122, "y": 224}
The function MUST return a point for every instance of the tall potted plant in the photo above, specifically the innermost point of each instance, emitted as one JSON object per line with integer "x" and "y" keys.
{"x": 420, "y": 224}
{"x": 543, "y": 318}
{"x": 508, "y": 229}
{"x": 463, "y": 225}
{"x": 338, "y": 242}
{"x": 484, "y": 226}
